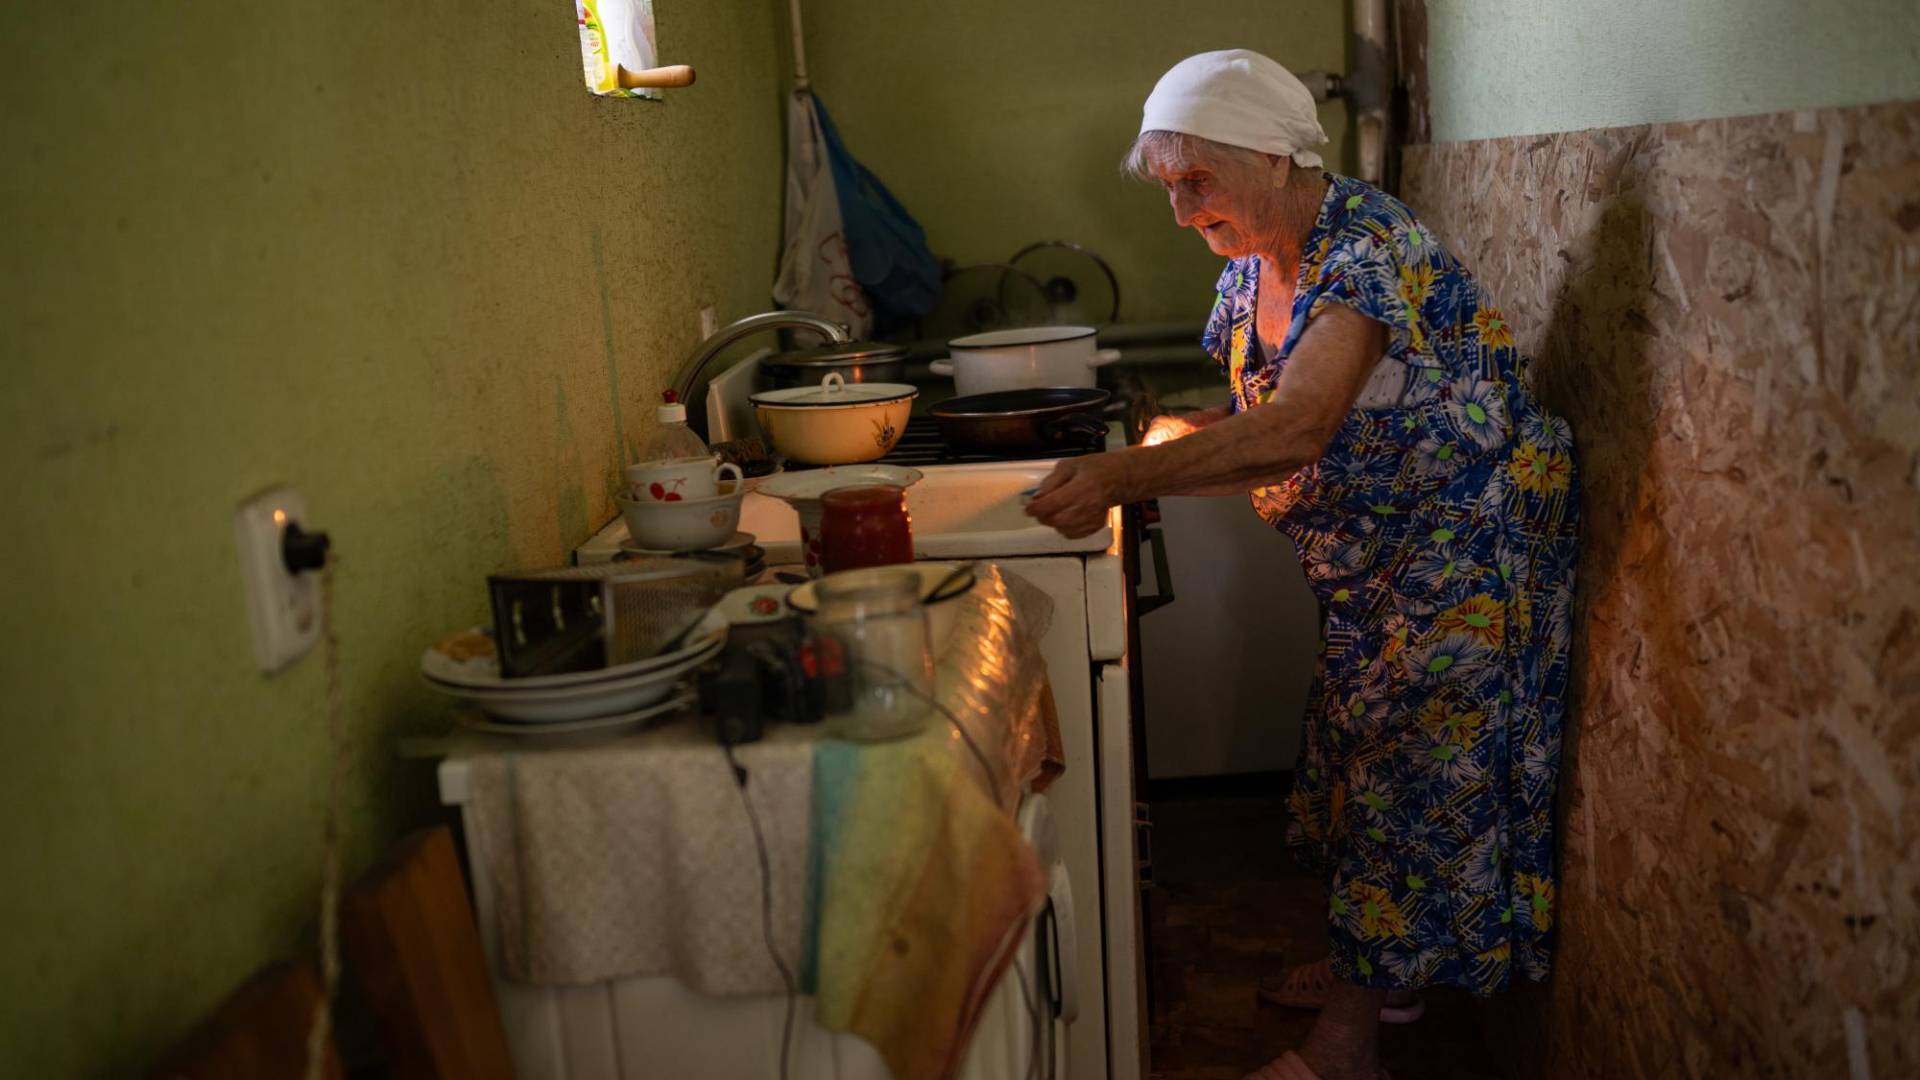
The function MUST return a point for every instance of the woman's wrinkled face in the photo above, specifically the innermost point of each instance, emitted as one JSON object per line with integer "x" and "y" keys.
{"x": 1230, "y": 204}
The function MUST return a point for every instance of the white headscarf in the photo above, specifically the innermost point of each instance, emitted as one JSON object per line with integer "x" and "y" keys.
{"x": 1240, "y": 98}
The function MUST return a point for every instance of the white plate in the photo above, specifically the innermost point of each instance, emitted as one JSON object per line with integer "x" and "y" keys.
{"x": 755, "y": 604}
{"x": 583, "y": 702}
{"x": 813, "y": 483}
{"x": 483, "y": 672}
{"x": 576, "y": 727}
{"x": 585, "y": 691}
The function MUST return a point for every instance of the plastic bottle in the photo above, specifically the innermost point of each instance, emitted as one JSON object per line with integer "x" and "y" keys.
{"x": 673, "y": 438}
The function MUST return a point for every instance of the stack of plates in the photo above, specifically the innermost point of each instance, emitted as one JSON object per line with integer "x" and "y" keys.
{"x": 465, "y": 666}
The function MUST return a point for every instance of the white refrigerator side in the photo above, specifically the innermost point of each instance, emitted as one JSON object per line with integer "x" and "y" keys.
{"x": 1229, "y": 663}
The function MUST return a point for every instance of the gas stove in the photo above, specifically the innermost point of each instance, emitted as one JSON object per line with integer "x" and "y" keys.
{"x": 967, "y": 506}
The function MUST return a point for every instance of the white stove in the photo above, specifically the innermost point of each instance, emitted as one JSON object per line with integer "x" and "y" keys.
{"x": 973, "y": 510}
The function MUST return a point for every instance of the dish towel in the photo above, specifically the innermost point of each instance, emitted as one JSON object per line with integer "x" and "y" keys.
{"x": 631, "y": 857}
{"x": 922, "y": 886}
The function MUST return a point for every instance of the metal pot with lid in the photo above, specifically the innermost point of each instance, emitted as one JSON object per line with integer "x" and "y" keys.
{"x": 855, "y": 361}
{"x": 1022, "y": 358}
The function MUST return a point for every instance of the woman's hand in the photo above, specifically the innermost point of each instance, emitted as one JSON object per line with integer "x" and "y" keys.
{"x": 1074, "y": 498}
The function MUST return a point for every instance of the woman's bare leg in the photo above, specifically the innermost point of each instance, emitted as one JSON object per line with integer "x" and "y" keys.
{"x": 1344, "y": 1043}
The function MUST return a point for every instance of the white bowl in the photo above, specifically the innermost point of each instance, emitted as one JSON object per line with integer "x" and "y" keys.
{"x": 688, "y": 525}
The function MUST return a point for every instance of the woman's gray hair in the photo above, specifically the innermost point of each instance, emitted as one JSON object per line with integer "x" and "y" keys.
{"x": 1177, "y": 151}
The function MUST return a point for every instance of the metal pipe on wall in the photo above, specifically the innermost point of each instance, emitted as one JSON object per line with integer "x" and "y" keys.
{"x": 1368, "y": 88}
{"x": 799, "y": 40}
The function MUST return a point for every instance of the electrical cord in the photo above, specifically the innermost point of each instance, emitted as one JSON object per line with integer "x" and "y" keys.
{"x": 979, "y": 755}
{"x": 1033, "y": 1014}
{"x": 740, "y": 776}
{"x": 993, "y": 783}
{"x": 1038, "y": 1021}
{"x": 766, "y": 906}
{"x": 322, "y": 1025}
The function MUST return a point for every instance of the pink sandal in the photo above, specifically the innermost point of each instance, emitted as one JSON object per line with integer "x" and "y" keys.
{"x": 1289, "y": 1066}
{"x": 1306, "y": 987}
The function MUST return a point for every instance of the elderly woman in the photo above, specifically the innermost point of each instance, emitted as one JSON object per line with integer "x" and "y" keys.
{"x": 1379, "y": 416}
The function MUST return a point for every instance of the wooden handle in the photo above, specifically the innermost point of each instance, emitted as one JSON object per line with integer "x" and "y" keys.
{"x": 648, "y": 78}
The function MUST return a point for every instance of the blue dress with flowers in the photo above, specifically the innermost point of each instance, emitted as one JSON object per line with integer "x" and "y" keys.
{"x": 1437, "y": 531}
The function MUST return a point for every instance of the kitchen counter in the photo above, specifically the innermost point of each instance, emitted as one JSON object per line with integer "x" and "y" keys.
{"x": 613, "y": 861}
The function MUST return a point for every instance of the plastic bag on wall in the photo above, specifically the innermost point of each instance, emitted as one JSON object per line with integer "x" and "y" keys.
{"x": 815, "y": 273}
{"x": 890, "y": 257}
{"x": 615, "y": 34}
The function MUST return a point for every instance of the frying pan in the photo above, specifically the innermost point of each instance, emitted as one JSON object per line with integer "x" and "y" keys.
{"x": 1031, "y": 421}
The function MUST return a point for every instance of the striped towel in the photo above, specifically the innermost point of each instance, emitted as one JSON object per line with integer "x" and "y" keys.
{"x": 921, "y": 888}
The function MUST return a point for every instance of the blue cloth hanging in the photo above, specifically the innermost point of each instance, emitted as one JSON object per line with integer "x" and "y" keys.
{"x": 887, "y": 248}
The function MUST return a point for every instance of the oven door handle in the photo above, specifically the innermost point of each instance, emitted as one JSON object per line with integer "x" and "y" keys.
{"x": 1156, "y": 534}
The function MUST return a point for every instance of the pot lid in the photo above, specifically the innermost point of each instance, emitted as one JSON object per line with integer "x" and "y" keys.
{"x": 844, "y": 352}
{"x": 1025, "y": 335}
{"x": 835, "y": 390}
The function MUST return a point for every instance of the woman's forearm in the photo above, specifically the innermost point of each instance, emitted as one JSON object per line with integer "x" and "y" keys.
{"x": 1229, "y": 456}
{"x": 1212, "y": 414}
{"x": 1268, "y": 443}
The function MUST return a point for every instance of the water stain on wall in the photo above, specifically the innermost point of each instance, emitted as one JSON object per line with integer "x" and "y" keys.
{"x": 1729, "y": 313}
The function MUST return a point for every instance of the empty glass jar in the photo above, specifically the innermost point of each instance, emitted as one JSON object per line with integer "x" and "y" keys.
{"x": 873, "y": 622}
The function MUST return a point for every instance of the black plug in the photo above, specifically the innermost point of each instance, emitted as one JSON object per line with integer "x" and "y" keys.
{"x": 302, "y": 550}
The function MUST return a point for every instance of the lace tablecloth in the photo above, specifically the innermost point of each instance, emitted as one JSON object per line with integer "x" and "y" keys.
{"x": 634, "y": 855}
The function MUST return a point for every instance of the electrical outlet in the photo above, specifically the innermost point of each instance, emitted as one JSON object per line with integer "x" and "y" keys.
{"x": 709, "y": 322}
{"x": 283, "y": 607}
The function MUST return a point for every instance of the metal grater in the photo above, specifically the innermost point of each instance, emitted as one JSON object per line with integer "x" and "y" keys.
{"x": 579, "y": 618}
{"x": 648, "y": 612}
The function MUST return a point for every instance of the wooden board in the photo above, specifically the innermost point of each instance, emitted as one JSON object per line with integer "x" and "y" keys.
{"x": 1728, "y": 311}
{"x": 416, "y": 954}
{"x": 259, "y": 1032}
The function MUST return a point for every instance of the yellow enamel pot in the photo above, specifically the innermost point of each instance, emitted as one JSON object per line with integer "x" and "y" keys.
{"x": 835, "y": 423}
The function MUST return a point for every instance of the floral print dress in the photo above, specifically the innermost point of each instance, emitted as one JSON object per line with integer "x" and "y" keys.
{"x": 1437, "y": 530}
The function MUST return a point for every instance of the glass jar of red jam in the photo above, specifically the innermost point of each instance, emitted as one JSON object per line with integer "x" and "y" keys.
{"x": 865, "y": 526}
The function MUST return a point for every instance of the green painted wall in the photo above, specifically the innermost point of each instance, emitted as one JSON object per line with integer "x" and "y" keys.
{"x": 391, "y": 253}
{"x": 1521, "y": 67}
{"x": 1002, "y": 122}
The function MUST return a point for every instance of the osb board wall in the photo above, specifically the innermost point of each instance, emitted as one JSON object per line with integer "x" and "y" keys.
{"x": 1729, "y": 313}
